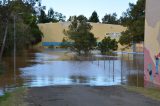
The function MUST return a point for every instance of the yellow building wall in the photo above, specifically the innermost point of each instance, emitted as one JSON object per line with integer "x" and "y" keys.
{"x": 100, "y": 30}
{"x": 53, "y": 32}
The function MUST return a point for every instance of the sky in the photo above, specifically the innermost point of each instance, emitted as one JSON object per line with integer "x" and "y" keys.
{"x": 86, "y": 7}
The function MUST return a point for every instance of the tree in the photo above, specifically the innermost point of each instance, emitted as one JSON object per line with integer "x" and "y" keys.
{"x": 35, "y": 31}
{"x": 70, "y": 18}
{"x": 27, "y": 31}
{"x": 82, "y": 18}
{"x": 134, "y": 20}
{"x": 107, "y": 45}
{"x": 79, "y": 33}
{"x": 94, "y": 17}
{"x": 42, "y": 17}
{"x": 65, "y": 43}
{"x": 52, "y": 16}
{"x": 110, "y": 19}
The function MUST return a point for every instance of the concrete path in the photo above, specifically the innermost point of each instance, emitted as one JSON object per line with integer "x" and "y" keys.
{"x": 86, "y": 96}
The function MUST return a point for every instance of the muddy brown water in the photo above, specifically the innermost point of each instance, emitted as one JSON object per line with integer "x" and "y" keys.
{"x": 40, "y": 68}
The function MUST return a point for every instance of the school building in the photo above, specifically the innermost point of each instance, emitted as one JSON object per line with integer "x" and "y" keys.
{"x": 54, "y": 32}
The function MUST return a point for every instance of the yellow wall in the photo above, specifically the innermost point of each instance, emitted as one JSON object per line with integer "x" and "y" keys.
{"x": 53, "y": 32}
{"x": 100, "y": 30}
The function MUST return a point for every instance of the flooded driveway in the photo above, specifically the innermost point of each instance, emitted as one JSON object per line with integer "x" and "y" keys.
{"x": 41, "y": 68}
{"x": 70, "y": 73}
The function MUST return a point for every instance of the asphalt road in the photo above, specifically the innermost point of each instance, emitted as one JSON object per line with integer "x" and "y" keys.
{"x": 86, "y": 96}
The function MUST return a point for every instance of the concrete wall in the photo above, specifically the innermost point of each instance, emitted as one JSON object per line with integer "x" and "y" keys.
{"x": 152, "y": 43}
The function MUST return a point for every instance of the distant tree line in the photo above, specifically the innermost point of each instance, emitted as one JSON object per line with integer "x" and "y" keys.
{"x": 52, "y": 16}
{"x": 107, "y": 19}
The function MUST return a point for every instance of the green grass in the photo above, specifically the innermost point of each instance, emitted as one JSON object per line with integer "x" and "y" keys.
{"x": 4, "y": 98}
{"x": 153, "y": 93}
{"x": 15, "y": 98}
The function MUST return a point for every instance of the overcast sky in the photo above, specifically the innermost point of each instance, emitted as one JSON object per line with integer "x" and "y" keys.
{"x": 86, "y": 7}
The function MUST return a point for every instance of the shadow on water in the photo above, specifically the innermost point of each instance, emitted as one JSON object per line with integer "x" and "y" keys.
{"x": 37, "y": 68}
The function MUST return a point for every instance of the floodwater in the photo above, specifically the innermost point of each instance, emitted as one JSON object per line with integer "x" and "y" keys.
{"x": 40, "y": 68}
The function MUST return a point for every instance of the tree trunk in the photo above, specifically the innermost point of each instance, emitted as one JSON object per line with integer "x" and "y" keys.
{"x": 4, "y": 41}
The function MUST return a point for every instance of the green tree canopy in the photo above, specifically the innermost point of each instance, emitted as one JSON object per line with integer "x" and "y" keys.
{"x": 27, "y": 31}
{"x": 94, "y": 17}
{"x": 110, "y": 19}
{"x": 82, "y": 18}
{"x": 42, "y": 18}
{"x": 108, "y": 45}
{"x": 52, "y": 16}
{"x": 79, "y": 33}
{"x": 134, "y": 20}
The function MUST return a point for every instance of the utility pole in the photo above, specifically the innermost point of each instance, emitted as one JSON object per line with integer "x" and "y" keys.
{"x": 121, "y": 67}
{"x": 14, "y": 54}
{"x": 14, "y": 57}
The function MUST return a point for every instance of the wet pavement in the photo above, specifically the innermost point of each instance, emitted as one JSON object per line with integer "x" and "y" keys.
{"x": 86, "y": 96}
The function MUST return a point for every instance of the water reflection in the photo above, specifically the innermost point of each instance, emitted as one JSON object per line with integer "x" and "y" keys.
{"x": 40, "y": 68}
{"x": 1, "y": 92}
{"x": 69, "y": 73}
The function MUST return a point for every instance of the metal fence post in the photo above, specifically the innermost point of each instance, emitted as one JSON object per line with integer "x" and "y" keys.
{"x": 122, "y": 68}
{"x": 113, "y": 70}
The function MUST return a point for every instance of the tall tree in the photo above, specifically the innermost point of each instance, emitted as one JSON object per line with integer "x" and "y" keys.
{"x": 110, "y": 19}
{"x": 27, "y": 31}
{"x": 79, "y": 33}
{"x": 94, "y": 17}
{"x": 134, "y": 20}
